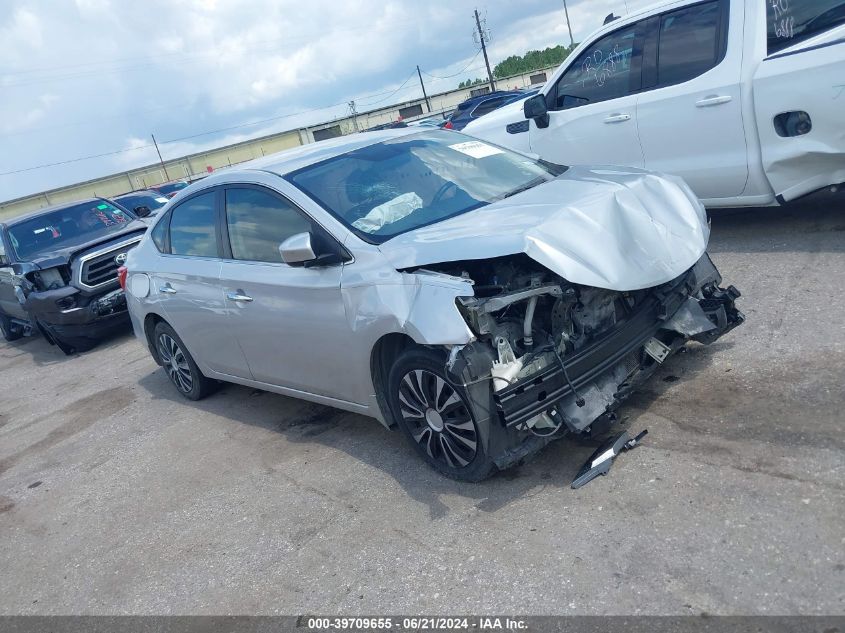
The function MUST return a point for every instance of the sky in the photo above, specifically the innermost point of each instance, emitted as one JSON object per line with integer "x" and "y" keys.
{"x": 81, "y": 78}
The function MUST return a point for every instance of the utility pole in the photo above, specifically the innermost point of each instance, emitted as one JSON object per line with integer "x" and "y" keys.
{"x": 568, "y": 25}
{"x": 484, "y": 50}
{"x": 422, "y": 85}
{"x": 160, "y": 158}
{"x": 354, "y": 112}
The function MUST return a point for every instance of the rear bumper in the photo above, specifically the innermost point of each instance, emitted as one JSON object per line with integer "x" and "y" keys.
{"x": 623, "y": 347}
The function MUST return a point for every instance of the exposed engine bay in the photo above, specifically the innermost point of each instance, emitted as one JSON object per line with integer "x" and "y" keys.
{"x": 560, "y": 356}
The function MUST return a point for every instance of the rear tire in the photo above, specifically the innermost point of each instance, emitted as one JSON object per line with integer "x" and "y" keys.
{"x": 179, "y": 364}
{"x": 9, "y": 332}
{"x": 436, "y": 416}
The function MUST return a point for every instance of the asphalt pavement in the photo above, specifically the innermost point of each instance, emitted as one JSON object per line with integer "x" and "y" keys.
{"x": 118, "y": 496}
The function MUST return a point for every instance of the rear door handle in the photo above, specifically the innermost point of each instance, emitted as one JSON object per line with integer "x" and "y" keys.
{"x": 167, "y": 289}
{"x": 238, "y": 295}
{"x": 617, "y": 118}
{"x": 713, "y": 100}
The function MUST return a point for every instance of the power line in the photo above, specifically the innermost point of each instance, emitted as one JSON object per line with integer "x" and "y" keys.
{"x": 392, "y": 93}
{"x": 460, "y": 72}
{"x": 217, "y": 131}
{"x": 389, "y": 94}
{"x": 75, "y": 160}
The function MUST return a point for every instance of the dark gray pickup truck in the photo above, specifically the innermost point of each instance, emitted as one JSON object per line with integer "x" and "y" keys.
{"x": 58, "y": 272}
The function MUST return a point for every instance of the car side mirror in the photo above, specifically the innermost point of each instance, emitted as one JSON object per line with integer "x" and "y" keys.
{"x": 297, "y": 249}
{"x": 535, "y": 108}
{"x": 309, "y": 251}
{"x": 143, "y": 212}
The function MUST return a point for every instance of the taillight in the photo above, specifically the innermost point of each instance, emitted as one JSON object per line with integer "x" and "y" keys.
{"x": 448, "y": 125}
{"x": 121, "y": 276}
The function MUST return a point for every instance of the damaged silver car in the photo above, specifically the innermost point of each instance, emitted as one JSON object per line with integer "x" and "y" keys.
{"x": 481, "y": 300}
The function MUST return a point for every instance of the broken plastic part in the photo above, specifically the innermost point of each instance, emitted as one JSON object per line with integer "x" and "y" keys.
{"x": 601, "y": 460}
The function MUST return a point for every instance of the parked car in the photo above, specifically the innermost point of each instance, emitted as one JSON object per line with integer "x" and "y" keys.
{"x": 170, "y": 189}
{"x": 435, "y": 120}
{"x": 743, "y": 100}
{"x": 58, "y": 272}
{"x": 476, "y": 107}
{"x": 482, "y": 301}
{"x": 143, "y": 203}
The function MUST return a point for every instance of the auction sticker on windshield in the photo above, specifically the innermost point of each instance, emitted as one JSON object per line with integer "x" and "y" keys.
{"x": 476, "y": 149}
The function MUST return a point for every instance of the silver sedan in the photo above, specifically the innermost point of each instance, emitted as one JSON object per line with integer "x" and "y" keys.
{"x": 482, "y": 301}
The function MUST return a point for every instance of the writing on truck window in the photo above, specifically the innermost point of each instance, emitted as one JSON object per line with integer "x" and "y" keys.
{"x": 599, "y": 66}
{"x": 792, "y": 21}
{"x": 783, "y": 22}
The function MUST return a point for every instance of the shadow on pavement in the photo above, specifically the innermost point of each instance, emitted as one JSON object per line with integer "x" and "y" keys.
{"x": 367, "y": 441}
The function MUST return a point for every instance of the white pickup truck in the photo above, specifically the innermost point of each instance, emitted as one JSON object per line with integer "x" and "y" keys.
{"x": 744, "y": 99}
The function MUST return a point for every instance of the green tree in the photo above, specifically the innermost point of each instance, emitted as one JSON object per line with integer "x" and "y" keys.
{"x": 532, "y": 60}
{"x": 471, "y": 82}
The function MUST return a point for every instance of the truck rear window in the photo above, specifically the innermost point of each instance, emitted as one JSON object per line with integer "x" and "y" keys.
{"x": 792, "y": 21}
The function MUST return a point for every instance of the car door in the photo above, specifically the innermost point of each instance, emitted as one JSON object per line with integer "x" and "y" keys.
{"x": 592, "y": 106}
{"x": 188, "y": 285}
{"x": 290, "y": 320}
{"x": 690, "y": 109}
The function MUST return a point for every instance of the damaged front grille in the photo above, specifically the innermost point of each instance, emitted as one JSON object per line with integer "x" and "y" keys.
{"x": 521, "y": 401}
{"x": 100, "y": 268}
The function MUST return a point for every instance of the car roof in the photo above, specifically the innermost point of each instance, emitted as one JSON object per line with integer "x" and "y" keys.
{"x": 137, "y": 192}
{"x": 463, "y": 105}
{"x": 50, "y": 209}
{"x": 291, "y": 160}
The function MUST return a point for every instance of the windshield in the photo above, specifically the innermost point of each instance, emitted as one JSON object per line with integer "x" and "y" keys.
{"x": 152, "y": 200}
{"x": 403, "y": 184}
{"x": 57, "y": 229}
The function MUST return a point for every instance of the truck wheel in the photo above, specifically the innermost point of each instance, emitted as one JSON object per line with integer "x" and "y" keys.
{"x": 179, "y": 365}
{"x": 9, "y": 332}
{"x": 436, "y": 417}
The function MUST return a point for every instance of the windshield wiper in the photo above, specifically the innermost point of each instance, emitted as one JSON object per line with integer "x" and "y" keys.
{"x": 528, "y": 185}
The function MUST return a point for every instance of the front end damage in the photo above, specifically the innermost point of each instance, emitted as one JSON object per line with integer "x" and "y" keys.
{"x": 552, "y": 357}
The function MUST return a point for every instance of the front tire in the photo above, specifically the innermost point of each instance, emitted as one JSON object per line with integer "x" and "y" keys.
{"x": 8, "y": 331}
{"x": 435, "y": 415}
{"x": 179, "y": 364}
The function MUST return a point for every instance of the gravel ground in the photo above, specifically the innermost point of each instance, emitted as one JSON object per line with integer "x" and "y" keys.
{"x": 117, "y": 496}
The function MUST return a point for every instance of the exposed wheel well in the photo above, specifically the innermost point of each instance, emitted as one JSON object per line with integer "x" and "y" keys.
{"x": 385, "y": 352}
{"x": 150, "y": 323}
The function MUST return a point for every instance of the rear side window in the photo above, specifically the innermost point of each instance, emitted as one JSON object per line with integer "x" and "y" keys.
{"x": 604, "y": 71}
{"x": 3, "y": 259}
{"x": 791, "y": 21}
{"x": 259, "y": 222}
{"x": 192, "y": 227}
{"x": 689, "y": 44}
{"x": 159, "y": 235}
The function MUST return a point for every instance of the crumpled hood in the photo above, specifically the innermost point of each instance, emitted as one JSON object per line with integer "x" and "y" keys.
{"x": 608, "y": 227}
{"x": 73, "y": 248}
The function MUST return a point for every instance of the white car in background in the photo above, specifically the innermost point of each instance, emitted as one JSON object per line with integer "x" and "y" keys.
{"x": 744, "y": 100}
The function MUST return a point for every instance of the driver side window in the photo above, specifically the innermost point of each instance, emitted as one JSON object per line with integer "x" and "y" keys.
{"x": 259, "y": 222}
{"x": 602, "y": 72}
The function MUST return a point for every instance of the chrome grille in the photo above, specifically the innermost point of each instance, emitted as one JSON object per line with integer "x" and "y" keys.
{"x": 100, "y": 268}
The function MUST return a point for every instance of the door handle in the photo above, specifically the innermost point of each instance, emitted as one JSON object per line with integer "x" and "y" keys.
{"x": 617, "y": 118}
{"x": 238, "y": 295}
{"x": 713, "y": 100}
{"x": 167, "y": 289}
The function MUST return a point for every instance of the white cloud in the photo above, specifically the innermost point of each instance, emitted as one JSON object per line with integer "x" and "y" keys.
{"x": 178, "y": 68}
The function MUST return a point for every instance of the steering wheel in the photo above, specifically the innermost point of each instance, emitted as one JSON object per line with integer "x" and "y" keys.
{"x": 446, "y": 186}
